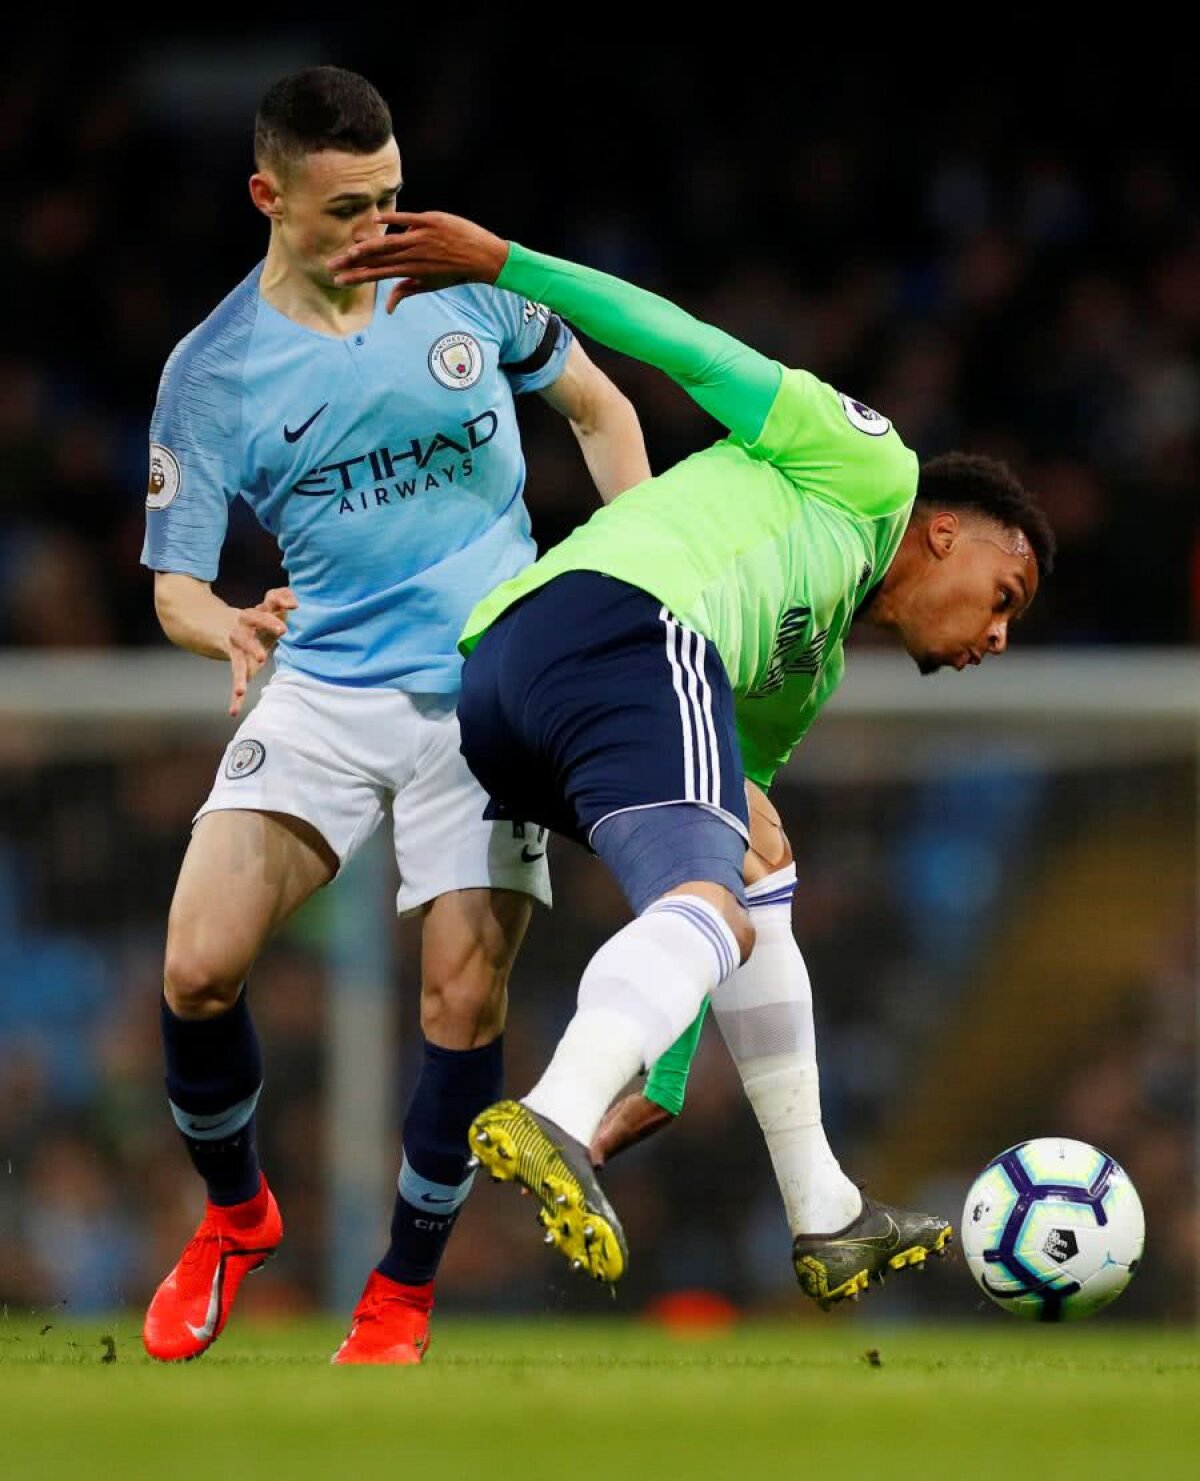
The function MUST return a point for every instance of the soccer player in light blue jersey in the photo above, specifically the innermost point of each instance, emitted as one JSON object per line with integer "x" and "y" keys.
{"x": 382, "y": 451}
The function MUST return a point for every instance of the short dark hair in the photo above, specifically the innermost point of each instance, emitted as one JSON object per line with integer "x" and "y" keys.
{"x": 988, "y": 486}
{"x": 319, "y": 108}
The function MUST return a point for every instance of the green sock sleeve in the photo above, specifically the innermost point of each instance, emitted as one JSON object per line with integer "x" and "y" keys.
{"x": 666, "y": 1084}
{"x": 732, "y": 382}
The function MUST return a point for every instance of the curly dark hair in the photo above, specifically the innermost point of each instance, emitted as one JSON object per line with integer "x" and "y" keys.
{"x": 988, "y": 486}
{"x": 319, "y": 108}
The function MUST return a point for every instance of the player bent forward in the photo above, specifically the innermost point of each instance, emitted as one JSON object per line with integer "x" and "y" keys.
{"x": 616, "y": 689}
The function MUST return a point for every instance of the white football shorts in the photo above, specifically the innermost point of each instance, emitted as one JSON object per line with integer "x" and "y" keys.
{"x": 339, "y": 758}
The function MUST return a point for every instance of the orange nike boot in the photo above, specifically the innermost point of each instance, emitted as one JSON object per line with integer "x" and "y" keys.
{"x": 390, "y": 1323}
{"x": 190, "y": 1308}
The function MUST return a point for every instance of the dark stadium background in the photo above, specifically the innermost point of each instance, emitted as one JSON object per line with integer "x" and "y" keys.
{"x": 1002, "y": 259}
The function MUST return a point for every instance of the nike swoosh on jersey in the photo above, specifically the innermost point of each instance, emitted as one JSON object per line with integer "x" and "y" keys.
{"x": 429, "y": 1198}
{"x": 531, "y": 856}
{"x": 291, "y": 436}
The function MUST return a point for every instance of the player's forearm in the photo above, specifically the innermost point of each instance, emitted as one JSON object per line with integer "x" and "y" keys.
{"x": 613, "y": 447}
{"x": 732, "y": 382}
{"x": 192, "y": 615}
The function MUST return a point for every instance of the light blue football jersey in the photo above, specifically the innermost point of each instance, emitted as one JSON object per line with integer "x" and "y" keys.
{"x": 387, "y": 464}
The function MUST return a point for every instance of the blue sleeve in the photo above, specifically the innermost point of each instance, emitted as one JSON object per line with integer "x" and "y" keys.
{"x": 195, "y": 441}
{"x": 534, "y": 341}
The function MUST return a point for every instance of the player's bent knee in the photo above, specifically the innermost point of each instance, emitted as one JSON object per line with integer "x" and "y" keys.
{"x": 737, "y": 918}
{"x": 464, "y": 1012}
{"x": 195, "y": 988}
{"x": 733, "y": 913}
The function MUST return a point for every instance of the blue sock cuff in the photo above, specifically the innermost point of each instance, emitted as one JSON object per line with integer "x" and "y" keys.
{"x": 214, "y": 1075}
{"x": 213, "y": 1064}
{"x": 455, "y": 1085}
{"x": 423, "y": 1193}
{"x": 781, "y": 896}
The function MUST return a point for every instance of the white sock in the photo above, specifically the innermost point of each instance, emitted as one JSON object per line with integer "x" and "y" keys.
{"x": 766, "y": 1017}
{"x": 638, "y": 994}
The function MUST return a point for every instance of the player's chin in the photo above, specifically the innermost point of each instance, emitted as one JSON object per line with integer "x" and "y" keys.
{"x": 929, "y": 663}
{"x": 326, "y": 275}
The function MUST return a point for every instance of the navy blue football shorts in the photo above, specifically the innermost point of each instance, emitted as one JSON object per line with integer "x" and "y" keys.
{"x": 588, "y": 698}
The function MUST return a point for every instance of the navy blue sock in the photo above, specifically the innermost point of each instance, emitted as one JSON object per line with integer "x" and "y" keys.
{"x": 455, "y": 1085}
{"x": 214, "y": 1075}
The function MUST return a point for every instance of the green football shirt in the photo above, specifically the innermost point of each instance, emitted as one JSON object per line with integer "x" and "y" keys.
{"x": 766, "y": 542}
{"x": 766, "y": 547}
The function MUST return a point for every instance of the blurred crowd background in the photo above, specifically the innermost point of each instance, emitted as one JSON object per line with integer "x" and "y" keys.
{"x": 1007, "y": 263}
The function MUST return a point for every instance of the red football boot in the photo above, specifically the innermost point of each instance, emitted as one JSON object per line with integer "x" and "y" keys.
{"x": 190, "y": 1308}
{"x": 390, "y": 1323}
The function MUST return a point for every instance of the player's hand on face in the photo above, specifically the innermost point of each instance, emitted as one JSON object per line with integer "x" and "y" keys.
{"x": 631, "y": 1120}
{"x": 252, "y": 638}
{"x": 426, "y": 251}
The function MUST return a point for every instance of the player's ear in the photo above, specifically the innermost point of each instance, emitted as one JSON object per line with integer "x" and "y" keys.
{"x": 264, "y": 192}
{"x": 941, "y": 533}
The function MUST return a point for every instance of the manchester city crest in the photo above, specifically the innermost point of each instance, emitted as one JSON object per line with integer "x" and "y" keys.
{"x": 244, "y": 759}
{"x": 456, "y": 361}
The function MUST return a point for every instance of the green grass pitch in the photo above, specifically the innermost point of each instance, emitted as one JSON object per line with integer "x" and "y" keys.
{"x": 612, "y": 1399}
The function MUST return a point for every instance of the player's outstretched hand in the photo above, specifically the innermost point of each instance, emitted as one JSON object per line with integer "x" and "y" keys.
{"x": 252, "y": 637}
{"x": 631, "y": 1120}
{"x": 429, "y": 250}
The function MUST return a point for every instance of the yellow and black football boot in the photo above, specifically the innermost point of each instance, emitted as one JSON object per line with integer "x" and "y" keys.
{"x": 515, "y": 1144}
{"x": 840, "y": 1266}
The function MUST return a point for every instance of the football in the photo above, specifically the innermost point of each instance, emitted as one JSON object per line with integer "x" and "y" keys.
{"x": 1053, "y": 1229}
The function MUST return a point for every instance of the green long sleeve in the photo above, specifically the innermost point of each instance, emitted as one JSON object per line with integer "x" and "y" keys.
{"x": 666, "y": 1084}
{"x": 732, "y": 382}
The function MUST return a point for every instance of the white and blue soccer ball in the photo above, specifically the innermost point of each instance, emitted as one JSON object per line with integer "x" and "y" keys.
{"x": 1053, "y": 1229}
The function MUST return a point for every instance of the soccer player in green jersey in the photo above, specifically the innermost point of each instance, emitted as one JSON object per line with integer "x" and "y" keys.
{"x": 623, "y": 688}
